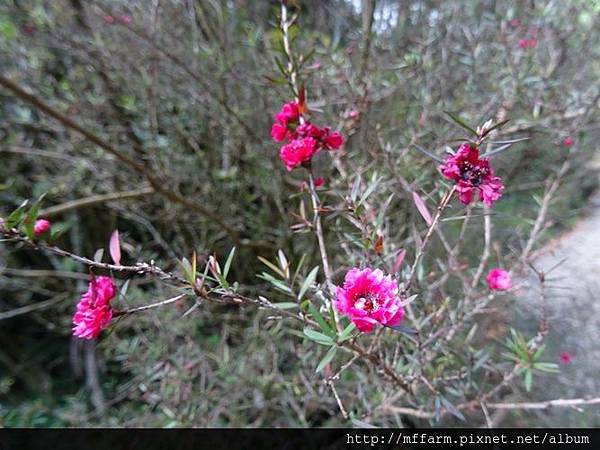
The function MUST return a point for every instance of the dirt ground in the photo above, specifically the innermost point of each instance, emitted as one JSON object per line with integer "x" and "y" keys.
{"x": 573, "y": 307}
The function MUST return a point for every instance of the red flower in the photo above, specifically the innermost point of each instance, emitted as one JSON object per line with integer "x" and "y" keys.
{"x": 499, "y": 279}
{"x": 108, "y": 19}
{"x": 568, "y": 141}
{"x": 565, "y": 358}
{"x": 319, "y": 181}
{"x": 471, "y": 173}
{"x": 297, "y": 152}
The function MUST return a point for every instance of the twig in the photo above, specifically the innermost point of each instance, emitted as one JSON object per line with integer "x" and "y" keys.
{"x": 436, "y": 218}
{"x": 30, "y": 308}
{"x": 487, "y": 233}
{"x": 541, "y": 218}
{"x": 94, "y": 200}
{"x": 151, "y": 306}
{"x": 559, "y": 403}
{"x": 337, "y": 399}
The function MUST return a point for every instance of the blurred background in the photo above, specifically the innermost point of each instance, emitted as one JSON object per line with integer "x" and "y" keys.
{"x": 187, "y": 90}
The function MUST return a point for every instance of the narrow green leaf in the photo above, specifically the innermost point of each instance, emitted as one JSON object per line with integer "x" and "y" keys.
{"x": 186, "y": 268}
{"x": 300, "y": 264}
{"x": 271, "y": 266}
{"x": 15, "y": 217}
{"x": 347, "y": 332}
{"x": 327, "y": 358}
{"x": 320, "y": 338}
{"x": 320, "y": 320}
{"x": 275, "y": 282}
{"x": 285, "y": 305}
{"x": 456, "y": 119}
{"x": 32, "y": 216}
{"x": 310, "y": 279}
{"x": 228, "y": 263}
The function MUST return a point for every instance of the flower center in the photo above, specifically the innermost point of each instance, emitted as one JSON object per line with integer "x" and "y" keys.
{"x": 367, "y": 302}
{"x": 472, "y": 173}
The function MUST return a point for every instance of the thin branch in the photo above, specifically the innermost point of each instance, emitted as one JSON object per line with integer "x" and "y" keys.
{"x": 151, "y": 306}
{"x": 445, "y": 200}
{"x": 487, "y": 233}
{"x": 559, "y": 403}
{"x": 337, "y": 399}
{"x": 31, "y": 308}
{"x": 94, "y": 200}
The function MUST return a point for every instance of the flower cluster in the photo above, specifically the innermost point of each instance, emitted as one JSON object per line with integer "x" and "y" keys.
{"x": 304, "y": 139}
{"x": 369, "y": 297}
{"x": 94, "y": 311}
{"x": 472, "y": 173}
{"x": 527, "y": 43}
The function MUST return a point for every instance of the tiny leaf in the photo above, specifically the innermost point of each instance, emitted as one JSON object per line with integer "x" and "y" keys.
{"x": 114, "y": 247}
{"x": 422, "y": 208}
{"x": 98, "y": 255}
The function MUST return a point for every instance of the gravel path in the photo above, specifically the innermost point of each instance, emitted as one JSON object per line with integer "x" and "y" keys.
{"x": 573, "y": 304}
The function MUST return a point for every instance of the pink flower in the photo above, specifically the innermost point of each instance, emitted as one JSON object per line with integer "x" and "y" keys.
{"x": 523, "y": 43}
{"x": 565, "y": 358}
{"x": 126, "y": 19}
{"x": 499, "y": 279}
{"x": 307, "y": 129}
{"x": 289, "y": 113}
{"x": 354, "y": 113}
{"x": 278, "y": 132}
{"x": 319, "y": 181}
{"x": 515, "y": 23}
{"x": 471, "y": 173}
{"x": 334, "y": 140}
{"x": 94, "y": 311}
{"x": 368, "y": 297}
{"x": 568, "y": 141}
{"x": 41, "y": 226}
{"x": 297, "y": 152}
{"x": 108, "y": 19}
